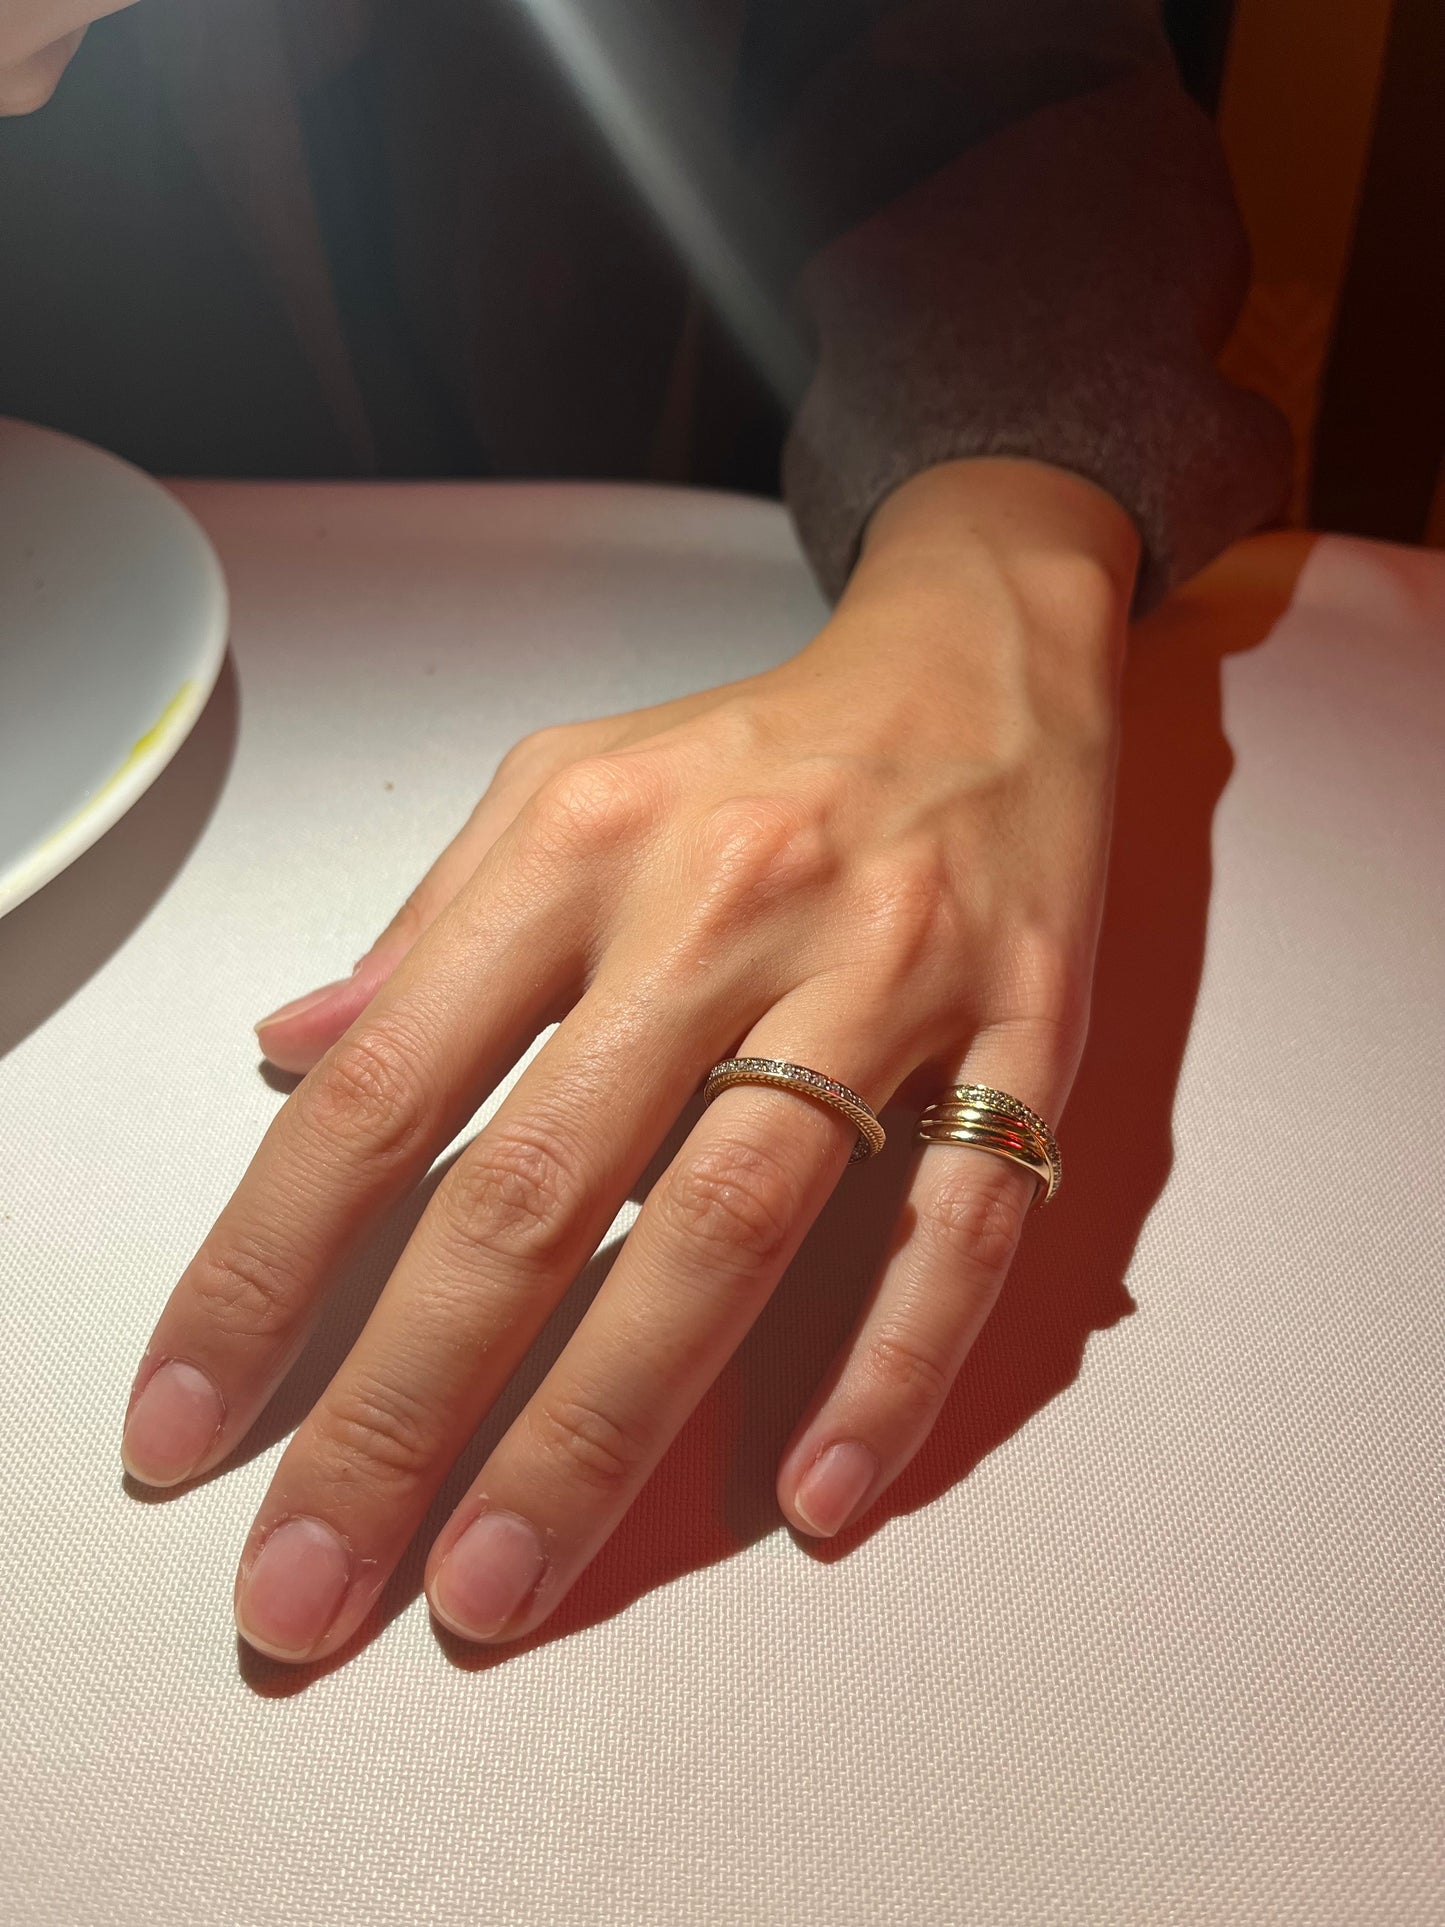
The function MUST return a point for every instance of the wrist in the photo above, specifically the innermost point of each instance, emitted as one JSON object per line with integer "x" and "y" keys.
{"x": 1054, "y": 534}
{"x": 1003, "y": 571}
{"x": 1047, "y": 553}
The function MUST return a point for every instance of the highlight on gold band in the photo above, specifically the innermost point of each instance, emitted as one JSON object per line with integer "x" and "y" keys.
{"x": 779, "y": 1075}
{"x": 991, "y": 1120}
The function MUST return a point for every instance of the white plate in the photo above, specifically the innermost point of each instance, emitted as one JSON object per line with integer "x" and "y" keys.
{"x": 112, "y": 632}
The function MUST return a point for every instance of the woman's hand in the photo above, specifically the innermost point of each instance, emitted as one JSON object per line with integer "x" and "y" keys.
{"x": 884, "y": 858}
{"x": 37, "y": 41}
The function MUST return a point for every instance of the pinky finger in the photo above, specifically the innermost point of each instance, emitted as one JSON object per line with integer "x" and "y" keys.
{"x": 966, "y": 1210}
{"x": 299, "y": 1035}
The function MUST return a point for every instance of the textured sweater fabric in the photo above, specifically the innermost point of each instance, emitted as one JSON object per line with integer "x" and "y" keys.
{"x": 635, "y": 238}
{"x": 1057, "y": 293}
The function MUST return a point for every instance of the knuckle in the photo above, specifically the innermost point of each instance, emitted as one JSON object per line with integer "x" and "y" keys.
{"x": 535, "y": 756}
{"x": 734, "y": 1198}
{"x": 750, "y": 855}
{"x": 514, "y": 1193}
{"x": 978, "y": 1215}
{"x": 242, "y": 1289}
{"x": 364, "y": 1093}
{"x": 762, "y": 844}
{"x": 907, "y": 1374}
{"x": 369, "y": 1431}
{"x": 587, "y": 1443}
{"x": 596, "y": 805}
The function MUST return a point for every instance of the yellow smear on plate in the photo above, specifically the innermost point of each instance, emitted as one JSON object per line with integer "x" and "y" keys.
{"x": 139, "y": 749}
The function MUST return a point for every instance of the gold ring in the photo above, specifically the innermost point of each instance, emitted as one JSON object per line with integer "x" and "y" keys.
{"x": 993, "y": 1121}
{"x": 781, "y": 1076}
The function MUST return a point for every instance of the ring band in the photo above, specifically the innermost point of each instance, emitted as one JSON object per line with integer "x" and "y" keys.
{"x": 781, "y": 1076}
{"x": 991, "y": 1120}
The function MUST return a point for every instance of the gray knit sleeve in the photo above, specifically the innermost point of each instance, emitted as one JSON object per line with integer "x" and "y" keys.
{"x": 1056, "y": 289}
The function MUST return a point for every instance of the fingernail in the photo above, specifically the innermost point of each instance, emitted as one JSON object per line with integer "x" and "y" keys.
{"x": 295, "y": 1585}
{"x": 172, "y": 1425}
{"x": 491, "y": 1569}
{"x": 300, "y": 1006}
{"x": 833, "y": 1485}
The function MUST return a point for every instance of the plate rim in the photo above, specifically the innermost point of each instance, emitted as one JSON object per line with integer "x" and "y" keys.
{"x": 119, "y": 792}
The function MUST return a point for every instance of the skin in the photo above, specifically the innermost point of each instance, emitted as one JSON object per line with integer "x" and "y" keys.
{"x": 37, "y": 41}
{"x": 883, "y": 859}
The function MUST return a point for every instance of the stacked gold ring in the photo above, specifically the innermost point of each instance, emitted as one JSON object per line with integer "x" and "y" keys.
{"x": 993, "y": 1121}
{"x": 779, "y": 1075}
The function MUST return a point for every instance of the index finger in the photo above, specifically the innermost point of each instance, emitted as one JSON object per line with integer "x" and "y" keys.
{"x": 353, "y": 1138}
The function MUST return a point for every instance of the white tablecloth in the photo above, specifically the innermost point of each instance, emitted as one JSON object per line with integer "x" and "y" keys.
{"x": 1153, "y": 1631}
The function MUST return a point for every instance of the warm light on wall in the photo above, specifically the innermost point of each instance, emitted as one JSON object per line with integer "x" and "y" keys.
{"x": 1296, "y": 114}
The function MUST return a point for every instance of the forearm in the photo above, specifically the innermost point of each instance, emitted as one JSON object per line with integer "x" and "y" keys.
{"x": 1056, "y": 291}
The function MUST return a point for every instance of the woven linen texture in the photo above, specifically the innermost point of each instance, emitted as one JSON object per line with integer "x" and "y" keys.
{"x": 1152, "y": 1629}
